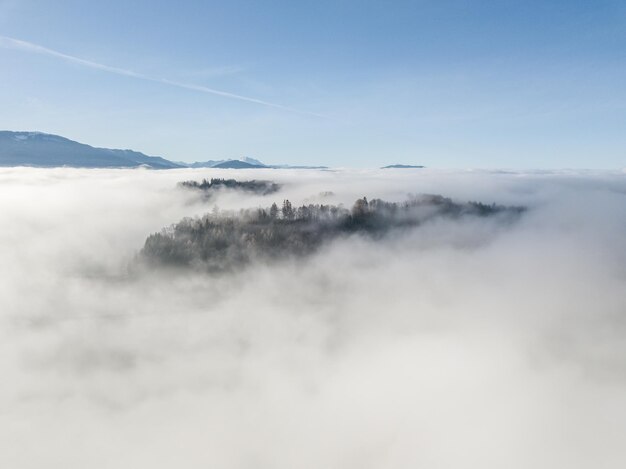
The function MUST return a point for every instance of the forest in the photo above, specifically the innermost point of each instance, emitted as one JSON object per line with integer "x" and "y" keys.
{"x": 209, "y": 186}
{"x": 223, "y": 240}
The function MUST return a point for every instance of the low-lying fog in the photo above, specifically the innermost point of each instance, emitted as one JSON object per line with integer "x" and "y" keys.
{"x": 461, "y": 344}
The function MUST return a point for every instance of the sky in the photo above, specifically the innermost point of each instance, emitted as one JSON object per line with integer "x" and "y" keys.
{"x": 459, "y": 84}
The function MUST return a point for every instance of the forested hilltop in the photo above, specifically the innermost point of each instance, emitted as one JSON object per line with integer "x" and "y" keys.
{"x": 223, "y": 240}
{"x": 209, "y": 186}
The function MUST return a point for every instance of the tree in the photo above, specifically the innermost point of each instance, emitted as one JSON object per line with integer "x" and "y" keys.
{"x": 360, "y": 207}
{"x": 274, "y": 211}
{"x": 287, "y": 210}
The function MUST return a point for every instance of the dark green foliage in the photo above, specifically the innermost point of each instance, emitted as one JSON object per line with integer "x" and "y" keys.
{"x": 221, "y": 241}
{"x": 209, "y": 186}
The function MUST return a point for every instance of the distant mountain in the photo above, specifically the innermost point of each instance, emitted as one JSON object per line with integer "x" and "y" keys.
{"x": 254, "y": 161}
{"x": 245, "y": 162}
{"x": 236, "y": 164}
{"x": 287, "y": 166}
{"x": 401, "y": 166}
{"x": 49, "y": 151}
{"x": 203, "y": 164}
{"x": 214, "y": 163}
{"x": 46, "y": 150}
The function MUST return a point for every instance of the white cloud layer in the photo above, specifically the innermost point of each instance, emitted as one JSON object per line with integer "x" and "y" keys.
{"x": 462, "y": 344}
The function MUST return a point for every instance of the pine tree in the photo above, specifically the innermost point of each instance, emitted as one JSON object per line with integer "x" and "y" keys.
{"x": 287, "y": 210}
{"x": 274, "y": 211}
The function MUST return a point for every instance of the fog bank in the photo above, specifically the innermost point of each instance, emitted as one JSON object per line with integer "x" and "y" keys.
{"x": 461, "y": 343}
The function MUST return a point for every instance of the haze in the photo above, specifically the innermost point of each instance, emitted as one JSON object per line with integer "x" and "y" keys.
{"x": 461, "y": 343}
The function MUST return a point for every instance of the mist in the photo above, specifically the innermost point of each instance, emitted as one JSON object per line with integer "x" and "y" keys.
{"x": 463, "y": 343}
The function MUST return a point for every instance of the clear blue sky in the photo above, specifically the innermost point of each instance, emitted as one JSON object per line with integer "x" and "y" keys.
{"x": 514, "y": 84}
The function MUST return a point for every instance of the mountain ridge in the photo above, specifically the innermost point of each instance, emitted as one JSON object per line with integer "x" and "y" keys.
{"x": 44, "y": 150}
{"x": 402, "y": 166}
{"x": 39, "y": 149}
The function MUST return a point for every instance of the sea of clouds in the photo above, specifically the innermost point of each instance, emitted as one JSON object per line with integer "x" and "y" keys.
{"x": 461, "y": 344}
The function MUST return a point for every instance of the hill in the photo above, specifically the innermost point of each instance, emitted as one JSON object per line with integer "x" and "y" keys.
{"x": 221, "y": 241}
{"x": 47, "y": 150}
{"x": 236, "y": 164}
{"x": 214, "y": 163}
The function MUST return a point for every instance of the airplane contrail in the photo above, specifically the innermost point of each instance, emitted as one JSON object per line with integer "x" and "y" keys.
{"x": 17, "y": 44}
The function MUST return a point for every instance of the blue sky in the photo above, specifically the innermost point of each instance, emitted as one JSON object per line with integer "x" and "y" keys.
{"x": 507, "y": 84}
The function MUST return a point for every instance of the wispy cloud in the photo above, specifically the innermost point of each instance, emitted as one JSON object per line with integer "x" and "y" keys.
{"x": 17, "y": 44}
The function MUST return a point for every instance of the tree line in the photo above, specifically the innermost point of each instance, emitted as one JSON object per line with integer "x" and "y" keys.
{"x": 222, "y": 240}
{"x": 208, "y": 186}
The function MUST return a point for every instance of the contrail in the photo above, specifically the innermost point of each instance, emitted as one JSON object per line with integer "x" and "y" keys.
{"x": 16, "y": 44}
